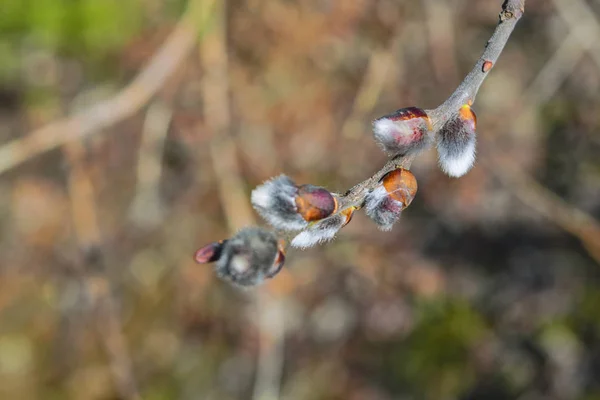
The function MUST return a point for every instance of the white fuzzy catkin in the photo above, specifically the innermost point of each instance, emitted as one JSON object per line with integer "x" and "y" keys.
{"x": 382, "y": 209}
{"x": 319, "y": 232}
{"x": 456, "y": 164}
{"x": 275, "y": 201}
{"x": 456, "y": 146}
{"x": 248, "y": 258}
{"x": 398, "y": 136}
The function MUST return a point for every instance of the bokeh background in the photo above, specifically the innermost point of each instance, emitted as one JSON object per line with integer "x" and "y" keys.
{"x": 488, "y": 288}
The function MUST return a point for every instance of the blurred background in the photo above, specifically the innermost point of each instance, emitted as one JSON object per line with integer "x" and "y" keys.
{"x": 132, "y": 132}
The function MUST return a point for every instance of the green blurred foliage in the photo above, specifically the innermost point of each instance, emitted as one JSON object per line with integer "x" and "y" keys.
{"x": 90, "y": 31}
{"x": 92, "y": 27}
{"x": 437, "y": 351}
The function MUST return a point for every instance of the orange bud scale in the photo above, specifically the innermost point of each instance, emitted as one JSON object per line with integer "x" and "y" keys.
{"x": 487, "y": 65}
{"x": 467, "y": 114}
{"x": 348, "y": 213}
{"x": 401, "y": 185}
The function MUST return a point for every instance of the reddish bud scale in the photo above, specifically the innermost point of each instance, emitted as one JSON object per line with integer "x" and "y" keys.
{"x": 411, "y": 113}
{"x": 416, "y": 118}
{"x": 315, "y": 203}
{"x": 401, "y": 185}
{"x": 209, "y": 253}
{"x": 279, "y": 260}
{"x": 487, "y": 65}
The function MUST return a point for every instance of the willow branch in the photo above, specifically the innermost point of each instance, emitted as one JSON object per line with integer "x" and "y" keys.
{"x": 256, "y": 254}
{"x": 511, "y": 12}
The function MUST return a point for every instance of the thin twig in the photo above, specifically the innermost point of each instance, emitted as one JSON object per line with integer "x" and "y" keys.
{"x": 123, "y": 105}
{"x": 578, "y": 14}
{"x": 269, "y": 369}
{"x": 511, "y": 12}
{"x": 368, "y": 93}
{"x": 147, "y": 210}
{"x": 215, "y": 93}
{"x": 555, "y": 70}
{"x": 576, "y": 222}
{"x": 441, "y": 41}
{"x": 95, "y": 283}
{"x": 544, "y": 86}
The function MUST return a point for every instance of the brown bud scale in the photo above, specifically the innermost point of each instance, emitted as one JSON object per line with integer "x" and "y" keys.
{"x": 209, "y": 253}
{"x": 315, "y": 203}
{"x": 401, "y": 185}
{"x": 410, "y": 113}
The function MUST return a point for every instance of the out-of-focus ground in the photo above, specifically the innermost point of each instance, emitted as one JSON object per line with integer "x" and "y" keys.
{"x": 473, "y": 295}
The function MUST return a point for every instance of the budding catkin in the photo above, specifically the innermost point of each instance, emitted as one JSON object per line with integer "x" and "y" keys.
{"x": 289, "y": 207}
{"x": 275, "y": 201}
{"x": 385, "y": 203}
{"x": 382, "y": 209}
{"x": 323, "y": 230}
{"x": 403, "y": 132}
{"x": 456, "y": 143}
{"x": 247, "y": 259}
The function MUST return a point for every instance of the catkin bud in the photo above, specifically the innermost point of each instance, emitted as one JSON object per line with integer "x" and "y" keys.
{"x": 385, "y": 203}
{"x": 247, "y": 259}
{"x": 314, "y": 203}
{"x": 403, "y": 132}
{"x": 456, "y": 143}
{"x": 323, "y": 230}
{"x": 289, "y": 207}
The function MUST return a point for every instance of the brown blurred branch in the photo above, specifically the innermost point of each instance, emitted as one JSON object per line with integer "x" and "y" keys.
{"x": 583, "y": 22}
{"x": 440, "y": 29}
{"x": 124, "y": 104}
{"x": 578, "y": 223}
{"x": 369, "y": 90}
{"x": 147, "y": 210}
{"x": 533, "y": 194}
{"x": 223, "y": 152}
{"x": 95, "y": 283}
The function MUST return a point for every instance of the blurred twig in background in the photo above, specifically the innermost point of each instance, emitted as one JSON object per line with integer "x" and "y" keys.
{"x": 583, "y": 21}
{"x": 147, "y": 210}
{"x": 542, "y": 200}
{"x": 95, "y": 281}
{"x": 440, "y": 28}
{"x": 121, "y": 106}
{"x": 369, "y": 90}
{"x": 215, "y": 94}
{"x": 584, "y": 29}
{"x": 234, "y": 199}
